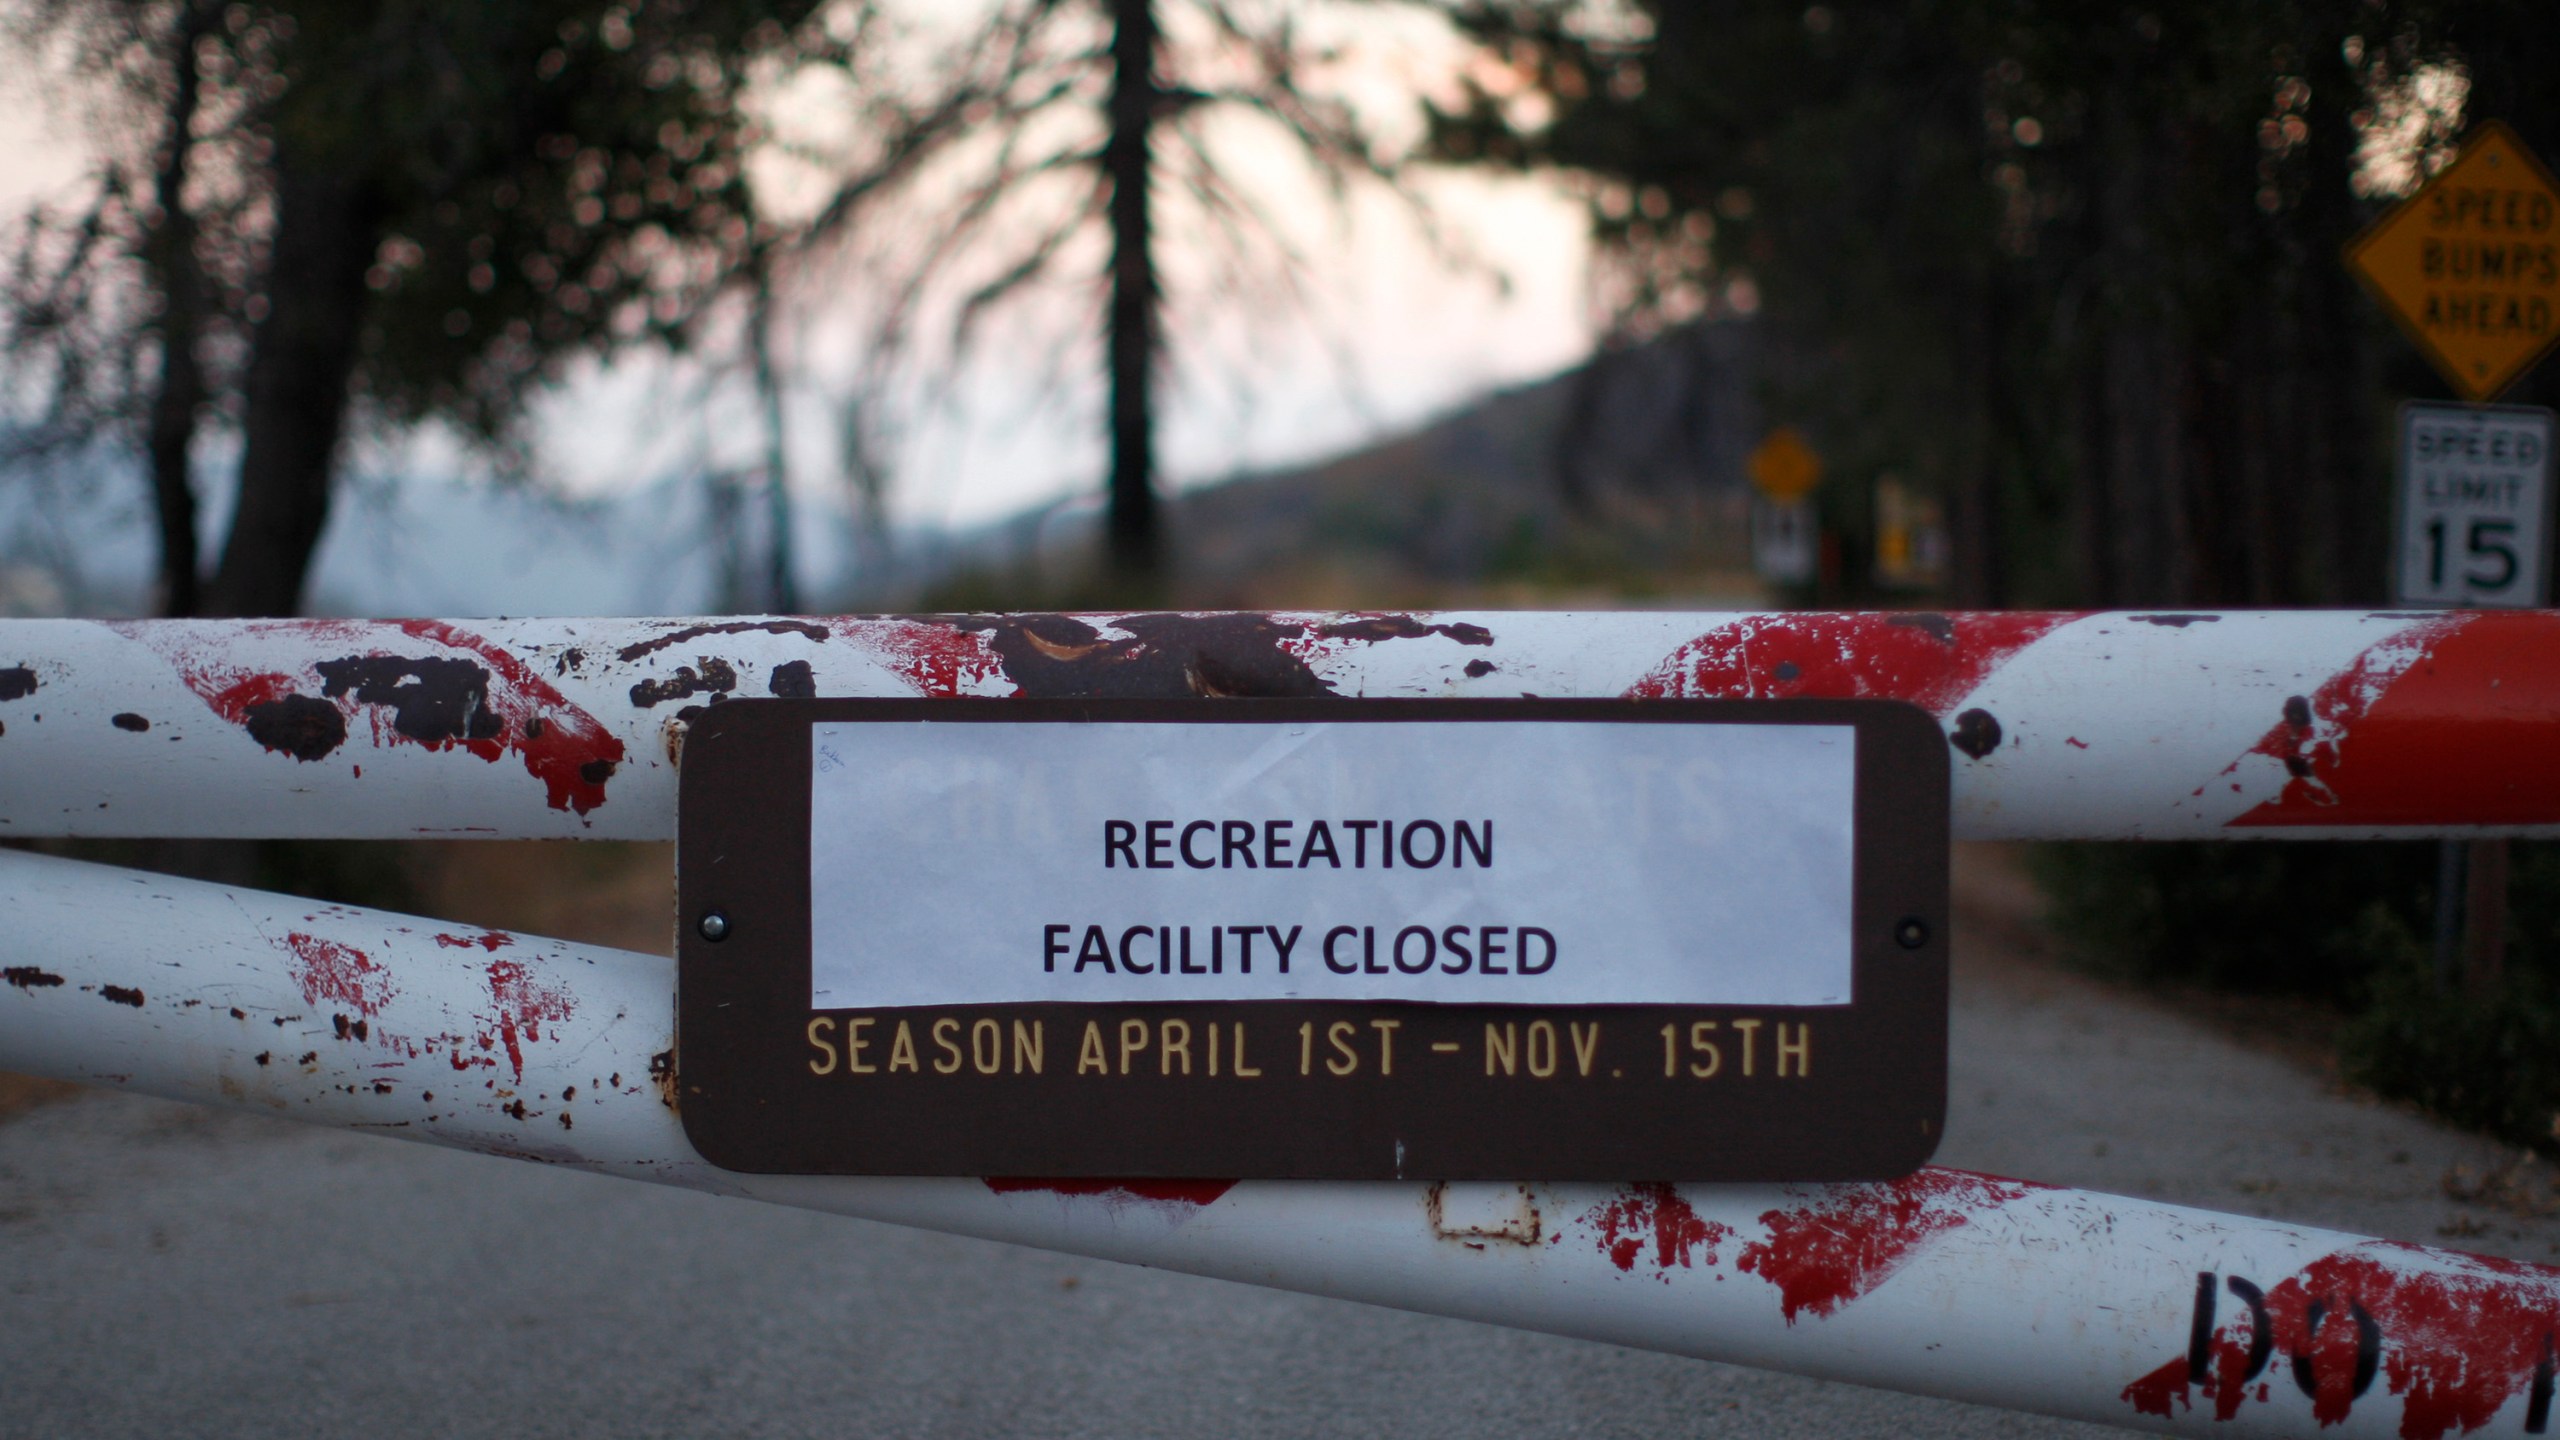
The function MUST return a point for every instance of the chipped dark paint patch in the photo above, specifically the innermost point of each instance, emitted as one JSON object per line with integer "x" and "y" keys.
{"x": 28, "y": 977}
{"x": 1977, "y": 733}
{"x": 509, "y": 709}
{"x": 1401, "y": 627}
{"x": 1145, "y": 656}
{"x": 1193, "y": 1193}
{"x": 17, "y": 682}
{"x": 433, "y": 700}
{"x": 662, "y": 1075}
{"x": 2176, "y": 622}
{"x": 560, "y": 753}
{"x": 128, "y": 721}
{"x": 716, "y": 679}
{"x": 803, "y": 628}
{"x": 1158, "y": 656}
{"x": 296, "y": 725}
{"x": 1478, "y": 669}
{"x": 792, "y": 680}
{"x": 1936, "y": 626}
{"x": 121, "y": 995}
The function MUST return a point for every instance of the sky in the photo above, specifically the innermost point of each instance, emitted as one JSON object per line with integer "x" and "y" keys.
{"x": 1383, "y": 332}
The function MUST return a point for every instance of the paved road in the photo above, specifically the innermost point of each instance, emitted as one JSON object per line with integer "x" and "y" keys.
{"x": 170, "y": 1270}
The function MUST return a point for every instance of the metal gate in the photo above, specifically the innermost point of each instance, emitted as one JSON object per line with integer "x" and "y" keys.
{"x": 2006, "y": 1292}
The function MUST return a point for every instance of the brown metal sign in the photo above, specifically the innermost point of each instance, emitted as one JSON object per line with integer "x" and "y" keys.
{"x": 1339, "y": 939}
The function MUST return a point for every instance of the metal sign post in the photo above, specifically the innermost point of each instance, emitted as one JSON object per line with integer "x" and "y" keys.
{"x": 2475, "y": 530}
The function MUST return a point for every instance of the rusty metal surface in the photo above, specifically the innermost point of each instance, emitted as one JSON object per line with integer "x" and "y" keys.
{"x": 2270, "y": 724}
{"x": 1950, "y": 1283}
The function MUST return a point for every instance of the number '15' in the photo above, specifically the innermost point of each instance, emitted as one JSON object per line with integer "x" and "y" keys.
{"x": 2489, "y": 539}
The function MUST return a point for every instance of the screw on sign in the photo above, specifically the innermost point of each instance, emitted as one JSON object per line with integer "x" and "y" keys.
{"x": 2470, "y": 264}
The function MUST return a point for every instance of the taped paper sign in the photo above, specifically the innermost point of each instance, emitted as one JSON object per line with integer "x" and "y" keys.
{"x": 1530, "y": 862}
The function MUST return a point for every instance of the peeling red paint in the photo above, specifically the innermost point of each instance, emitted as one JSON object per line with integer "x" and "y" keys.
{"x": 524, "y": 1004}
{"x": 1933, "y": 661}
{"x": 1194, "y": 1193}
{"x": 490, "y": 940}
{"x": 2370, "y": 746}
{"x": 938, "y": 658}
{"x": 1654, "y": 1213}
{"x": 2461, "y": 1337}
{"x": 560, "y": 744}
{"x": 1825, "y": 1255}
{"x": 334, "y": 974}
{"x": 2154, "y": 1393}
{"x": 569, "y": 750}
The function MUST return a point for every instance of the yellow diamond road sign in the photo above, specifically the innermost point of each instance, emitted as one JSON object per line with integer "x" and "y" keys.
{"x": 2470, "y": 265}
{"x": 1784, "y": 467}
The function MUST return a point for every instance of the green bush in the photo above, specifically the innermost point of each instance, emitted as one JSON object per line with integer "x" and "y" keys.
{"x": 2260, "y": 917}
{"x": 2351, "y": 926}
{"x": 2489, "y": 1062}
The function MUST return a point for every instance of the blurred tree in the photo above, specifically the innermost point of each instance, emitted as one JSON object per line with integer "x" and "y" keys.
{"x": 417, "y": 209}
{"x": 1106, "y": 108}
{"x": 2077, "y": 270}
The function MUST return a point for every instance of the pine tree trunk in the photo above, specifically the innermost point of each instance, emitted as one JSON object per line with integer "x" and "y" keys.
{"x": 180, "y": 395}
{"x": 1135, "y": 546}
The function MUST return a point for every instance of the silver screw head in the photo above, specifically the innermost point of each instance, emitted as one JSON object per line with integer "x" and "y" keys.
{"x": 714, "y": 926}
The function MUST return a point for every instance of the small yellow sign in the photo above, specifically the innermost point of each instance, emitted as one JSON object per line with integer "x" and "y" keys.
{"x": 2470, "y": 265}
{"x": 1784, "y": 468}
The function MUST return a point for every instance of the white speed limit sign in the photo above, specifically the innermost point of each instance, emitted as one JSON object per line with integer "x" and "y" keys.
{"x": 2474, "y": 505}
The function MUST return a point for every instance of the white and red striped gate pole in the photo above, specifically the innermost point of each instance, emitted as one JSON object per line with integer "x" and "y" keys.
{"x": 2101, "y": 726}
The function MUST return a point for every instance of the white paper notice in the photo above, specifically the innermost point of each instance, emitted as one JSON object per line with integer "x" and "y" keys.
{"x": 1480, "y": 862}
